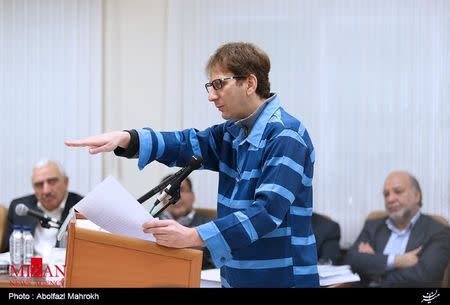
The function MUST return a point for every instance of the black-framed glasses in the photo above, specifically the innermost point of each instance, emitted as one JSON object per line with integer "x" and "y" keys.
{"x": 218, "y": 83}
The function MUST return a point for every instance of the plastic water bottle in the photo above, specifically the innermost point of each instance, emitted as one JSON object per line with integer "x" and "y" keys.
{"x": 28, "y": 245}
{"x": 16, "y": 246}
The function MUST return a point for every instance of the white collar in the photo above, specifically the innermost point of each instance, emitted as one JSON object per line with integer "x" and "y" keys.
{"x": 59, "y": 209}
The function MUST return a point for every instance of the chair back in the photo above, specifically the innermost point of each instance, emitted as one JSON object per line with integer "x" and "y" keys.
{"x": 376, "y": 214}
{"x": 439, "y": 218}
{"x": 207, "y": 212}
{"x": 3, "y": 223}
{"x": 325, "y": 216}
{"x": 446, "y": 280}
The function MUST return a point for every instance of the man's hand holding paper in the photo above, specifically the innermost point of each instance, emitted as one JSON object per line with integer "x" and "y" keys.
{"x": 113, "y": 208}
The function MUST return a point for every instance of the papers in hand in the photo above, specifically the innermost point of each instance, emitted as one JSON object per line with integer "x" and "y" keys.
{"x": 87, "y": 224}
{"x": 331, "y": 275}
{"x": 112, "y": 208}
{"x": 63, "y": 228}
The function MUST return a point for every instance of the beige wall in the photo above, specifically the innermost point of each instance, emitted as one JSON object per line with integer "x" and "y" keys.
{"x": 134, "y": 80}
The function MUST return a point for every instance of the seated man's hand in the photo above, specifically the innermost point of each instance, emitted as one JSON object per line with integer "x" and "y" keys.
{"x": 365, "y": 248}
{"x": 408, "y": 259}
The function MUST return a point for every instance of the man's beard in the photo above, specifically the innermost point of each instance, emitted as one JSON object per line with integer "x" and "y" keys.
{"x": 400, "y": 216}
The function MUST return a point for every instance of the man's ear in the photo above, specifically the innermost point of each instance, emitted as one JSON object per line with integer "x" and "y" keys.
{"x": 417, "y": 196}
{"x": 252, "y": 84}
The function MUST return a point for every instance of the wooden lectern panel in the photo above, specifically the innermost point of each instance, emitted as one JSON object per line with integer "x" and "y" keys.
{"x": 100, "y": 259}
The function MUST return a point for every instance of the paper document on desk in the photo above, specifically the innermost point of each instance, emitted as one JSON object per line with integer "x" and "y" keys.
{"x": 112, "y": 208}
{"x": 330, "y": 275}
{"x": 210, "y": 278}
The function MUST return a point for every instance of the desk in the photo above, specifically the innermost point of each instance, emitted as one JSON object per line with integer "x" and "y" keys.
{"x": 30, "y": 282}
{"x": 211, "y": 279}
{"x": 340, "y": 285}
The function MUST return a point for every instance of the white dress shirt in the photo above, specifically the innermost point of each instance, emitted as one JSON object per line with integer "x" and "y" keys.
{"x": 45, "y": 239}
{"x": 398, "y": 240}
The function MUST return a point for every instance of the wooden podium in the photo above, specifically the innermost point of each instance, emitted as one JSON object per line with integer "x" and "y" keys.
{"x": 100, "y": 259}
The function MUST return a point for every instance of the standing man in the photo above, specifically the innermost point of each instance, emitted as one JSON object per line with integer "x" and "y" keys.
{"x": 262, "y": 236}
{"x": 406, "y": 248}
{"x": 50, "y": 197}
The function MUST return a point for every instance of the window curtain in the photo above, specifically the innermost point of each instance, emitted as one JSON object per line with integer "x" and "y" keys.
{"x": 50, "y": 90}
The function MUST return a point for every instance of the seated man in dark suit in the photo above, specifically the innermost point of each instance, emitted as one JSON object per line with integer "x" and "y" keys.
{"x": 404, "y": 249}
{"x": 184, "y": 213}
{"x": 328, "y": 235}
{"x": 50, "y": 197}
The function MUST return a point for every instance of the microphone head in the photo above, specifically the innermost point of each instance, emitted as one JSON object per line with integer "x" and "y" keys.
{"x": 195, "y": 162}
{"x": 21, "y": 209}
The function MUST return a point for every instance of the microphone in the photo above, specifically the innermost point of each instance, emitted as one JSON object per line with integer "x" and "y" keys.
{"x": 23, "y": 210}
{"x": 174, "y": 182}
{"x": 159, "y": 188}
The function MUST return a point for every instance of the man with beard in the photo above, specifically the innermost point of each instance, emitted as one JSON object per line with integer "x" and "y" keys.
{"x": 405, "y": 249}
{"x": 49, "y": 182}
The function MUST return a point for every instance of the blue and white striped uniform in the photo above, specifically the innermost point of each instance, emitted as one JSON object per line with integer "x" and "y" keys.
{"x": 263, "y": 235}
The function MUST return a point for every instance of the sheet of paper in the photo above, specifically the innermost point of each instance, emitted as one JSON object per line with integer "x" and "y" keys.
{"x": 337, "y": 279}
{"x": 331, "y": 270}
{"x": 87, "y": 224}
{"x": 5, "y": 258}
{"x": 210, "y": 278}
{"x": 63, "y": 228}
{"x": 330, "y": 275}
{"x": 112, "y": 208}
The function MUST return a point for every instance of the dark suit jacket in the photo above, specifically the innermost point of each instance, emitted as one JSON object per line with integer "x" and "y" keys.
{"x": 31, "y": 202}
{"x": 433, "y": 258}
{"x": 199, "y": 220}
{"x": 328, "y": 235}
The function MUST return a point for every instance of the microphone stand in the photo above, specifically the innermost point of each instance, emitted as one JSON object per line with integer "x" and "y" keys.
{"x": 174, "y": 192}
{"x": 172, "y": 200}
{"x": 157, "y": 189}
{"x": 46, "y": 224}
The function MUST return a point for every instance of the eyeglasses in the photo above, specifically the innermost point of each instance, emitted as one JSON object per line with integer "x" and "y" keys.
{"x": 218, "y": 83}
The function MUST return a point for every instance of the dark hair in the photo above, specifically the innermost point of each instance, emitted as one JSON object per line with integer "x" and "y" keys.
{"x": 243, "y": 59}
{"x": 415, "y": 184}
{"x": 188, "y": 181}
